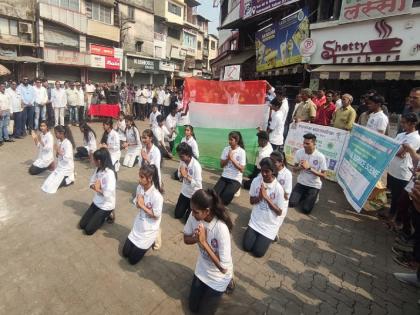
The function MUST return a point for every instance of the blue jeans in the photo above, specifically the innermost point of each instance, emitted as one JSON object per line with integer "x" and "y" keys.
{"x": 28, "y": 117}
{"x": 74, "y": 114}
{"x": 39, "y": 111}
{"x": 19, "y": 124}
{"x": 4, "y": 123}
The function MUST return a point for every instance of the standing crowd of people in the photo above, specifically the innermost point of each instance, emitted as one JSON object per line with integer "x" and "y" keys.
{"x": 204, "y": 211}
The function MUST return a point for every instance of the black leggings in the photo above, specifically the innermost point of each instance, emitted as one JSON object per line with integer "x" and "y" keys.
{"x": 198, "y": 290}
{"x": 226, "y": 189}
{"x": 396, "y": 186}
{"x": 305, "y": 194}
{"x": 182, "y": 208}
{"x": 255, "y": 242}
{"x": 82, "y": 152}
{"x": 34, "y": 170}
{"x": 93, "y": 219}
{"x": 247, "y": 183}
{"x": 132, "y": 252}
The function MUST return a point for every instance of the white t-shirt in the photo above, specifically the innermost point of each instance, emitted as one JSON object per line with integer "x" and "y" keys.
{"x": 45, "y": 151}
{"x": 230, "y": 171}
{"x": 152, "y": 119}
{"x": 171, "y": 124}
{"x": 145, "y": 229}
{"x": 285, "y": 179}
{"x": 91, "y": 144}
{"x": 90, "y": 88}
{"x": 194, "y": 171}
{"x": 263, "y": 219}
{"x": 277, "y": 126}
{"x": 193, "y": 144}
{"x": 338, "y": 104}
{"x": 160, "y": 133}
{"x": 106, "y": 199}
{"x": 377, "y": 121}
{"x": 113, "y": 144}
{"x": 154, "y": 157}
{"x": 218, "y": 237}
{"x": 183, "y": 119}
{"x": 133, "y": 139}
{"x": 160, "y": 97}
{"x": 263, "y": 153}
{"x": 317, "y": 162}
{"x": 120, "y": 128}
{"x": 400, "y": 167}
{"x": 65, "y": 162}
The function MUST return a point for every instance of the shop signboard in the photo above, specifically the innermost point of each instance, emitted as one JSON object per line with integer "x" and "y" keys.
{"x": 392, "y": 40}
{"x": 66, "y": 57}
{"x": 166, "y": 66}
{"x": 112, "y": 63}
{"x": 97, "y": 61}
{"x": 142, "y": 65}
{"x": 279, "y": 44}
{"x": 101, "y": 50}
{"x": 232, "y": 73}
{"x": 358, "y": 10}
{"x": 255, "y": 7}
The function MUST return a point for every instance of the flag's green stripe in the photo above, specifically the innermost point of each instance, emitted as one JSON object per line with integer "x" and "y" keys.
{"x": 211, "y": 143}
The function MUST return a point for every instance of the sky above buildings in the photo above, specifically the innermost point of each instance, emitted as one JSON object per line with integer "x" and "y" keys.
{"x": 206, "y": 9}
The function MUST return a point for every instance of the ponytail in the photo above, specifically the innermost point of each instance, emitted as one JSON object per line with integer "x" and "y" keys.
{"x": 238, "y": 137}
{"x": 209, "y": 199}
{"x": 110, "y": 123}
{"x": 67, "y": 133}
{"x": 150, "y": 170}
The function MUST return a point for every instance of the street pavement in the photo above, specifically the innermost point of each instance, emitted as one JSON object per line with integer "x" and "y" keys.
{"x": 333, "y": 261}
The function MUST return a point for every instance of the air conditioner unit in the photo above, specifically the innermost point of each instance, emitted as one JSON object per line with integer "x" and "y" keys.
{"x": 25, "y": 28}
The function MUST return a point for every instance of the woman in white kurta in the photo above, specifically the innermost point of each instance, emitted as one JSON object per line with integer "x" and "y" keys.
{"x": 209, "y": 227}
{"x": 133, "y": 142}
{"x": 45, "y": 144}
{"x": 150, "y": 154}
{"x": 149, "y": 202}
{"x": 111, "y": 141}
{"x": 103, "y": 183}
{"x": 190, "y": 139}
{"x": 63, "y": 175}
{"x": 267, "y": 200}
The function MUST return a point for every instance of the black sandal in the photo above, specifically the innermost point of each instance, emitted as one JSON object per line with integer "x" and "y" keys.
{"x": 111, "y": 218}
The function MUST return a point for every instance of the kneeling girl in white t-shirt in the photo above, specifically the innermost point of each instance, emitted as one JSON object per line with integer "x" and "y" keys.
{"x": 146, "y": 225}
{"x": 45, "y": 144}
{"x": 267, "y": 200}
{"x": 209, "y": 227}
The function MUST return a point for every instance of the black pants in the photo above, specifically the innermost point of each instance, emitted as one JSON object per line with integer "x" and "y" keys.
{"x": 148, "y": 109}
{"x": 247, "y": 183}
{"x": 93, "y": 219}
{"x": 198, "y": 290}
{"x": 132, "y": 252}
{"x": 277, "y": 147}
{"x": 136, "y": 110}
{"x": 415, "y": 218}
{"x": 171, "y": 145}
{"x": 163, "y": 151}
{"x": 305, "y": 195}
{"x": 226, "y": 189}
{"x": 81, "y": 153}
{"x": 50, "y": 115}
{"x": 34, "y": 170}
{"x": 182, "y": 208}
{"x": 255, "y": 242}
{"x": 396, "y": 186}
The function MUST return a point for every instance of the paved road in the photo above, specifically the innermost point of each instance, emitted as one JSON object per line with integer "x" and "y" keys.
{"x": 331, "y": 262}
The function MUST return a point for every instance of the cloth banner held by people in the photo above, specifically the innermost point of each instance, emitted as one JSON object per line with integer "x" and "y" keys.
{"x": 365, "y": 158}
{"x": 329, "y": 141}
{"x": 218, "y": 107}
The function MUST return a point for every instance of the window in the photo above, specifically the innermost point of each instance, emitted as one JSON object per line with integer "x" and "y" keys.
{"x": 206, "y": 44}
{"x": 329, "y": 10}
{"x": 174, "y": 9}
{"x": 198, "y": 45}
{"x": 56, "y": 36}
{"x": 189, "y": 40}
{"x": 213, "y": 45}
{"x": 98, "y": 12}
{"x": 416, "y": 3}
{"x": 8, "y": 27}
{"x": 131, "y": 11}
{"x": 66, "y": 4}
{"x": 174, "y": 33}
{"x": 139, "y": 46}
{"x": 158, "y": 51}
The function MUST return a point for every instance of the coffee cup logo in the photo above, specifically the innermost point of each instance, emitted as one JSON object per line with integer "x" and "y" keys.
{"x": 384, "y": 44}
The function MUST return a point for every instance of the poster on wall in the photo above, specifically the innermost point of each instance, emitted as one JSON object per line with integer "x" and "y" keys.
{"x": 255, "y": 7}
{"x": 278, "y": 44}
{"x": 232, "y": 73}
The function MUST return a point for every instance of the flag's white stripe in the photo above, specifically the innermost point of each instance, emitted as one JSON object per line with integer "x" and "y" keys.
{"x": 226, "y": 116}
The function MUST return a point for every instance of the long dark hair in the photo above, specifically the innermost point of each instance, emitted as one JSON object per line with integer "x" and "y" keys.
{"x": 86, "y": 129}
{"x": 151, "y": 170}
{"x": 109, "y": 122}
{"x": 192, "y": 130}
{"x": 270, "y": 164}
{"x": 238, "y": 137}
{"x": 104, "y": 157}
{"x": 208, "y": 199}
{"x": 412, "y": 119}
{"x": 133, "y": 124}
{"x": 185, "y": 149}
{"x": 67, "y": 133}
{"x": 279, "y": 156}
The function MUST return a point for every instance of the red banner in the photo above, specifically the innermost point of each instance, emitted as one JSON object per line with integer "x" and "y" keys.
{"x": 112, "y": 63}
{"x": 101, "y": 50}
{"x": 223, "y": 92}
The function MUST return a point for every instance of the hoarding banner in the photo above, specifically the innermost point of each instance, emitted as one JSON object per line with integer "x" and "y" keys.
{"x": 101, "y": 50}
{"x": 112, "y": 63}
{"x": 278, "y": 45}
{"x": 255, "y": 7}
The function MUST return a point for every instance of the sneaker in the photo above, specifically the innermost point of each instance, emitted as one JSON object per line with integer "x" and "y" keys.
{"x": 111, "y": 218}
{"x": 408, "y": 278}
{"x": 406, "y": 261}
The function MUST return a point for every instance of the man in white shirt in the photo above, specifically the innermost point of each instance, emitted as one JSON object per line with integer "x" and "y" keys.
{"x": 149, "y": 100}
{"x": 142, "y": 98}
{"x": 160, "y": 99}
{"x": 311, "y": 165}
{"x": 337, "y": 100}
{"x": 4, "y": 115}
{"x": 59, "y": 102}
{"x": 72, "y": 102}
{"x": 377, "y": 121}
{"x": 41, "y": 99}
{"x": 276, "y": 125}
{"x": 81, "y": 102}
{"x": 17, "y": 110}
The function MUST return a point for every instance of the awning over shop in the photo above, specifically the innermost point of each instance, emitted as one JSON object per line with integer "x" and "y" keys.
{"x": 237, "y": 59}
{"x": 367, "y": 72}
{"x": 282, "y": 71}
{"x": 28, "y": 59}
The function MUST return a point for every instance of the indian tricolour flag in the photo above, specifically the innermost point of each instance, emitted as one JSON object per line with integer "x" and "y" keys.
{"x": 217, "y": 108}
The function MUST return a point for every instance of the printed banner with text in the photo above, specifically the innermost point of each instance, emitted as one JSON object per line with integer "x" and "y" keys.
{"x": 330, "y": 141}
{"x": 365, "y": 158}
